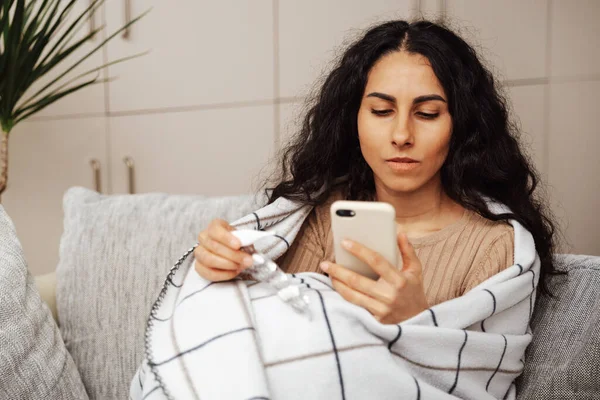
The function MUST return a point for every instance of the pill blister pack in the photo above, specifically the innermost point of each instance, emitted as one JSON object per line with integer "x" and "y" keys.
{"x": 267, "y": 271}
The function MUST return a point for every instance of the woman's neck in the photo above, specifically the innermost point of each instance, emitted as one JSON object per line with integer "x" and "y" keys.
{"x": 423, "y": 211}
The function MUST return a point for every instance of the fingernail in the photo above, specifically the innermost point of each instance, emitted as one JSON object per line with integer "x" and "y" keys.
{"x": 234, "y": 243}
{"x": 247, "y": 261}
{"x": 346, "y": 243}
{"x": 324, "y": 266}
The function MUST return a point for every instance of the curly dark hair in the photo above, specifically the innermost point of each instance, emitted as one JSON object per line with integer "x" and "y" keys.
{"x": 484, "y": 158}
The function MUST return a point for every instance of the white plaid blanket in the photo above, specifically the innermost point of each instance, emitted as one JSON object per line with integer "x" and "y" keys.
{"x": 238, "y": 340}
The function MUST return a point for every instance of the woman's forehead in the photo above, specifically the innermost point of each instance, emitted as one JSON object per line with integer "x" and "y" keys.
{"x": 403, "y": 73}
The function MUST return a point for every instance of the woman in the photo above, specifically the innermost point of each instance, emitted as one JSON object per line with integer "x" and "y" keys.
{"x": 411, "y": 117}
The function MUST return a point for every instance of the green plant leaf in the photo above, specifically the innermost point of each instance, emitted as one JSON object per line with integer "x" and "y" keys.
{"x": 46, "y": 101}
{"x": 46, "y": 33}
{"x": 12, "y": 34}
{"x": 76, "y": 64}
{"x": 43, "y": 69}
{"x": 6, "y": 125}
{"x": 28, "y": 9}
{"x": 37, "y": 71}
{"x": 29, "y": 54}
{"x": 51, "y": 27}
{"x": 6, "y": 17}
{"x": 22, "y": 107}
{"x": 15, "y": 74}
{"x": 43, "y": 11}
{"x": 36, "y": 36}
{"x": 57, "y": 58}
{"x": 27, "y": 22}
{"x": 77, "y": 27}
{"x": 84, "y": 16}
{"x": 3, "y": 37}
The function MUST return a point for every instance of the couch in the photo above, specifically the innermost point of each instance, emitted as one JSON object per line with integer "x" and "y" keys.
{"x": 116, "y": 251}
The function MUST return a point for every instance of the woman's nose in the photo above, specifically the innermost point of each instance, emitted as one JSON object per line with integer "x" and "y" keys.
{"x": 402, "y": 131}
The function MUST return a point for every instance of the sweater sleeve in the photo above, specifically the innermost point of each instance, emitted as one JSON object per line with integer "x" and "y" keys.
{"x": 497, "y": 257}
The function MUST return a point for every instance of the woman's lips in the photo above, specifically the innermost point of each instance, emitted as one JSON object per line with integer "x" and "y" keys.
{"x": 402, "y": 164}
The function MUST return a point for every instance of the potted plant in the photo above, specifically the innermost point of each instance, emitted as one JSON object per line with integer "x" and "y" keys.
{"x": 36, "y": 36}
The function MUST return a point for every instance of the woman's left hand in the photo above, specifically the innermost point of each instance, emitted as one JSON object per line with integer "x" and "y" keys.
{"x": 396, "y": 296}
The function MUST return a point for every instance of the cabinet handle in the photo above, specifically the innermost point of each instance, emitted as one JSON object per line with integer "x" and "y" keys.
{"x": 96, "y": 169}
{"x": 92, "y": 18}
{"x": 130, "y": 174}
{"x": 127, "y": 30}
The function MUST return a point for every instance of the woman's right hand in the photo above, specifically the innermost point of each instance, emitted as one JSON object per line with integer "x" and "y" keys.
{"x": 218, "y": 255}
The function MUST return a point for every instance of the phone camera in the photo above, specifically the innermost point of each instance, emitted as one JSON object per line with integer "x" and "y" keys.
{"x": 345, "y": 213}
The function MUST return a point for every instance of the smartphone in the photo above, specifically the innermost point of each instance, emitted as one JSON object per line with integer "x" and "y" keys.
{"x": 369, "y": 223}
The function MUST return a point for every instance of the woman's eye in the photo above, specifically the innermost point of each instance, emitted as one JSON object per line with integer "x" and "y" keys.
{"x": 427, "y": 115}
{"x": 381, "y": 112}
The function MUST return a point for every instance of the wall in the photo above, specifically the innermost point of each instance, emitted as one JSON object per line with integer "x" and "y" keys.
{"x": 545, "y": 52}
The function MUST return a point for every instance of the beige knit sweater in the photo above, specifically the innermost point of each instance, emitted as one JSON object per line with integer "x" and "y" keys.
{"x": 455, "y": 259}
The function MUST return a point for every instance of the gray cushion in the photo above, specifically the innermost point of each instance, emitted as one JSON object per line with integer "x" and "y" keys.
{"x": 114, "y": 256}
{"x": 34, "y": 363}
{"x": 563, "y": 360}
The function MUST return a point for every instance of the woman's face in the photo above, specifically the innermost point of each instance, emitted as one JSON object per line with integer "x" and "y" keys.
{"x": 404, "y": 126}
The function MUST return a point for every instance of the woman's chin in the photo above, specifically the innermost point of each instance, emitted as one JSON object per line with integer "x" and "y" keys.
{"x": 403, "y": 188}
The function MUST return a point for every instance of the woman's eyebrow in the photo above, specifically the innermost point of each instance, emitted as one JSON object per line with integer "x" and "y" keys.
{"x": 417, "y": 100}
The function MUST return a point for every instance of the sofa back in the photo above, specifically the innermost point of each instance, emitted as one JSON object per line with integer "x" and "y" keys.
{"x": 114, "y": 255}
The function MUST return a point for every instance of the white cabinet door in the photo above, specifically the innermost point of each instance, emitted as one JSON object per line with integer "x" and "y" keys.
{"x": 201, "y": 53}
{"x": 574, "y": 140}
{"x": 575, "y": 38}
{"x": 45, "y": 159}
{"x": 510, "y": 34}
{"x": 208, "y": 152}
{"x": 528, "y": 112}
{"x": 90, "y": 100}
